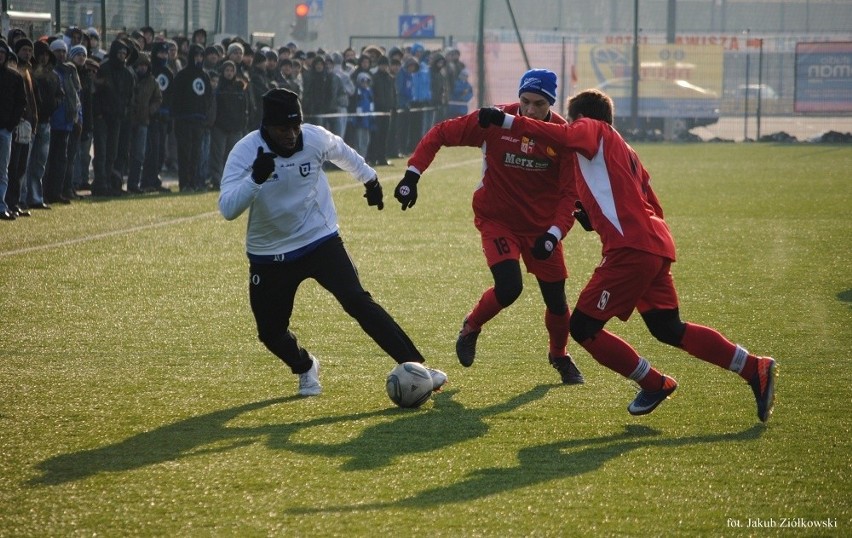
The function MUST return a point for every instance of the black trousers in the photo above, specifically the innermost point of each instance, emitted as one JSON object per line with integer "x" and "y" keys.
{"x": 17, "y": 173}
{"x": 272, "y": 290}
{"x": 377, "y": 148}
{"x": 188, "y": 133}
{"x": 155, "y": 153}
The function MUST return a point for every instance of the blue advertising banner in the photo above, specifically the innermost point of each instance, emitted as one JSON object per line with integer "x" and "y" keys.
{"x": 416, "y": 26}
{"x": 317, "y": 8}
{"x": 823, "y": 78}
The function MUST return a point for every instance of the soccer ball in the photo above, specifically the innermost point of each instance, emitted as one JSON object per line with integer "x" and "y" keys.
{"x": 409, "y": 384}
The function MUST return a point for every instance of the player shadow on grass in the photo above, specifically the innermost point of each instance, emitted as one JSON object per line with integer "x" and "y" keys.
{"x": 546, "y": 463}
{"x": 446, "y": 423}
{"x": 194, "y": 436}
{"x": 210, "y": 434}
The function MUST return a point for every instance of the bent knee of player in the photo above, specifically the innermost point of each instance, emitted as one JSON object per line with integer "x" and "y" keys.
{"x": 665, "y": 326}
{"x": 583, "y": 326}
{"x": 508, "y": 292}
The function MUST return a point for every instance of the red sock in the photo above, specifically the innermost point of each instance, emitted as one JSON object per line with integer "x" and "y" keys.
{"x": 485, "y": 309}
{"x": 619, "y": 356}
{"x": 711, "y": 346}
{"x": 557, "y": 329}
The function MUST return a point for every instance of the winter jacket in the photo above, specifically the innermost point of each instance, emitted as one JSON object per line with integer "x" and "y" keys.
{"x": 164, "y": 76}
{"x": 114, "y": 86}
{"x": 48, "y": 90}
{"x": 231, "y": 105}
{"x": 193, "y": 95}
{"x": 69, "y": 112}
{"x": 87, "y": 98}
{"x": 14, "y": 99}
{"x": 146, "y": 100}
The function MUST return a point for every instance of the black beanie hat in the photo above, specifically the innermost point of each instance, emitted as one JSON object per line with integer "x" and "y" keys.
{"x": 23, "y": 42}
{"x": 281, "y": 107}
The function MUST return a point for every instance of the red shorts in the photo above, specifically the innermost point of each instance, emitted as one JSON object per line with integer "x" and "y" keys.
{"x": 628, "y": 279}
{"x": 500, "y": 244}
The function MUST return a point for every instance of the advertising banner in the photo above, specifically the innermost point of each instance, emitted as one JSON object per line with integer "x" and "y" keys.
{"x": 823, "y": 78}
{"x": 675, "y": 81}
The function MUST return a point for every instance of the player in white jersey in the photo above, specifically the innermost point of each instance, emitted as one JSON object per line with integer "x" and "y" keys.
{"x": 276, "y": 172}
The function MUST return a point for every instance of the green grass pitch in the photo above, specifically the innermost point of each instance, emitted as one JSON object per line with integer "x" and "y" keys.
{"x": 136, "y": 400}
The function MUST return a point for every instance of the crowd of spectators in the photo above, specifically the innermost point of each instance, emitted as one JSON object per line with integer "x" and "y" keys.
{"x": 78, "y": 118}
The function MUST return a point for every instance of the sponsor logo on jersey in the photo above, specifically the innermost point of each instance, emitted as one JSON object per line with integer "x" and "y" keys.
{"x": 527, "y": 163}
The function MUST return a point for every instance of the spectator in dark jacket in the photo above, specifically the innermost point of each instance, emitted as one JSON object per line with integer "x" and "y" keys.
{"x": 48, "y": 96}
{"x": 192, "y": 108}
{"x": 161, "y": 123}
{"x": 317, "y": 98}
{"x": 87, "y": 73}
{"x": 384, "y": 102}
{"x": 12, "y": 107}
{"x": 231, "y": 118}
{"x": 22, "y": 137}
{"x": 113, "y": 94}
{"x": 145, "y": 104}
{"x": 439, "y": 86}
{"x": 259, "y": 85}
{"x": 288, "y": 76}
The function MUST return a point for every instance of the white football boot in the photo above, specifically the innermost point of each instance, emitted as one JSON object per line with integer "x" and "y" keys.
{"x": 439, "y": 378}
{"x": 309, "y": 384}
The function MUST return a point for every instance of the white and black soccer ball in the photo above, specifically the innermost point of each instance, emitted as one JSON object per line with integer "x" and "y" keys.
{"x": 409, "y": 385}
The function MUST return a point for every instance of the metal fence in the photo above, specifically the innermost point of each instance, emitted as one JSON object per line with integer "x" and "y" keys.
{"x": 752, "y": 80}
{"x": 755, "y": 91}
{"x": 171, "y": 18}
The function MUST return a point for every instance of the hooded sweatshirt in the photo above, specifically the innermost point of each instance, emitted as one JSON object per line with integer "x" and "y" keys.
{"x": 114, "y": 84}
{"x": 12, "y": 88}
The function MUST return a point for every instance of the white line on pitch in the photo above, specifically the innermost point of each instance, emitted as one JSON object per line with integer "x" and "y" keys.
{"x": 134, "y": 229}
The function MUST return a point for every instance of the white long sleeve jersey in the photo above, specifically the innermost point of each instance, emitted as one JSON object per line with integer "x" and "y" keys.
{"x": 294, "y": 207}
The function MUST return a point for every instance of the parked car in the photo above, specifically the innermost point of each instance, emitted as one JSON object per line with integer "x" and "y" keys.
{"x": 684, "y": 104}
{"x": 765, "y": 91}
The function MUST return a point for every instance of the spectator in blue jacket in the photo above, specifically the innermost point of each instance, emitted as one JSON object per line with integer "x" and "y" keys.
{"x": 405, "y": 130}
{"x": 363, "y": 122}
{"x": 65, "y": 123}
{"x": 460, "y": 96}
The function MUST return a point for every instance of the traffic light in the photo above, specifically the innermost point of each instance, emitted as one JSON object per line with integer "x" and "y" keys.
{"x": 299, "y": 28}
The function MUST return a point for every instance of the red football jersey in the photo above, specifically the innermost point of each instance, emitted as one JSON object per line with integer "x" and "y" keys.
{"x": 612, "y": 184}
{"x": 527, "y": 186}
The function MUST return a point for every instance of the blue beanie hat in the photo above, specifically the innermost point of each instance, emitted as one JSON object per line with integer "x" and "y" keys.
{"x": 540, "y": 81}
{"x": 77, "y": 50}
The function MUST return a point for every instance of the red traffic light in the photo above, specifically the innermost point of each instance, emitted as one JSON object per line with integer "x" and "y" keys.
{"x": 302, "y": 10}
